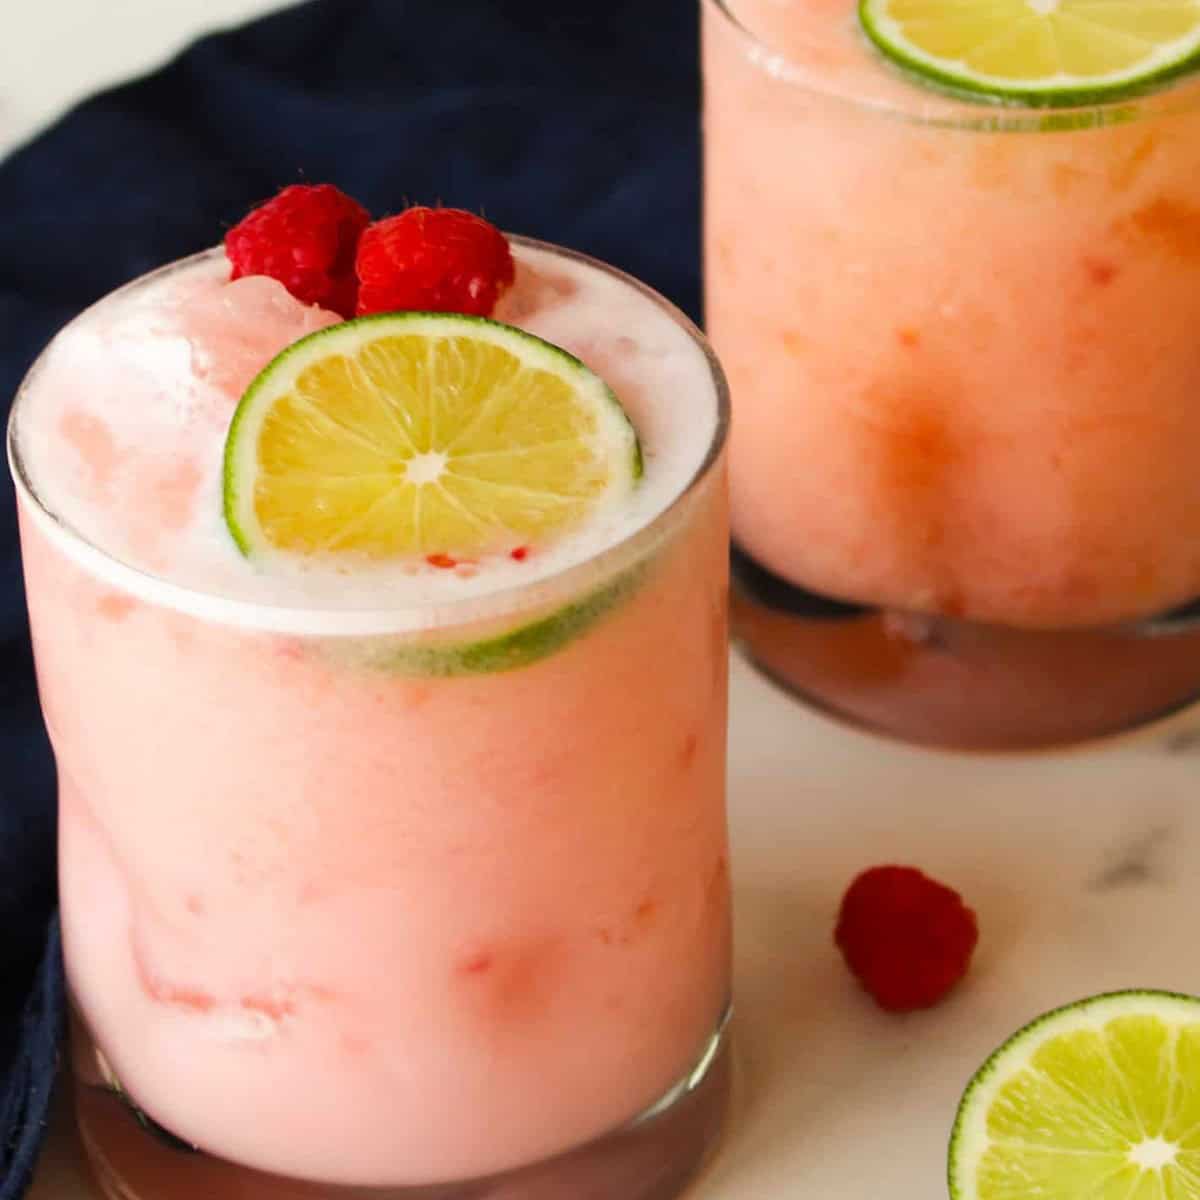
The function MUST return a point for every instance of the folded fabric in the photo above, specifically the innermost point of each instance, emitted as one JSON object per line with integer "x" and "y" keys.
{"x": 578, "y": 124}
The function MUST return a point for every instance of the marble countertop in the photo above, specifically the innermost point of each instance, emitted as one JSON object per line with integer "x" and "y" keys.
{"x": 1082, "y": 867}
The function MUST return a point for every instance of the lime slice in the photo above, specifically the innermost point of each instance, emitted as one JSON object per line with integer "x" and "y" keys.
{"x": 1096, "y": 1101}
{"x": 511, "y": 649}
{"x": 419, "y": 434}
{"x": 1039, "y": 52}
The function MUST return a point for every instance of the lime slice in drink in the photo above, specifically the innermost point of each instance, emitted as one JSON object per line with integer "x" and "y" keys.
{"x": 1096, "y": 1101}
{"x": 512, "y": 649}
{"x": 409, "y": 435}
{"x": 1038, "y": 52}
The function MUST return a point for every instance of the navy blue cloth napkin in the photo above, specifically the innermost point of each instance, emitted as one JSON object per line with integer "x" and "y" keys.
{"x": 575, "y": 123}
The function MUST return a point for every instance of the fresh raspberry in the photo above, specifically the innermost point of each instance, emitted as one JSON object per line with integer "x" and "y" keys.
{"x": 906, "y": 937}
{"x": 433, "y": 260}
{"x": 306, "y": 238}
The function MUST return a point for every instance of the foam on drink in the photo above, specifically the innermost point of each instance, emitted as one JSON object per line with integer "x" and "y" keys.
{"x": 121, "y": 430}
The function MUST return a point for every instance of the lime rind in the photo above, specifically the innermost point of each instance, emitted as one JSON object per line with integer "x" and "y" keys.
{"x": 523, "y": 647}
{"x": 969, "y": 1137}
{"x": 518, "y": 648}
{"x": 1171, "y": 61}
{"x": 239, "y": 465}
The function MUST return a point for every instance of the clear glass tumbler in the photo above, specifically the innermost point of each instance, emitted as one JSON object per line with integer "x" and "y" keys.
{"x": 961, "y": 340}
{"x": 347, "y": 917}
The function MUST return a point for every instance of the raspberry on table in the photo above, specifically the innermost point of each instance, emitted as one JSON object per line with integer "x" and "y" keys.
{"x": 907, "y": 938}
{"x": 433, "y": 260}
{"x": 306, "y": 238}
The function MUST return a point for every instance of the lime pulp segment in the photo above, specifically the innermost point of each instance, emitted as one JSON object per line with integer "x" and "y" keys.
{"x": 1038, "y": 52}
{"x": 1099, "y": 1100}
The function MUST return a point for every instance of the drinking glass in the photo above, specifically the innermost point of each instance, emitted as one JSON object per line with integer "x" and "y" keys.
{"x": 961, "y": 340}
{"x": 348, "y": 916}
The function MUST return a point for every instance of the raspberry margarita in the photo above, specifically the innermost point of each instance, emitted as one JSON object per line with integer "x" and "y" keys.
{"x": 962, "y": 343}
{"x": 380, "y": 874}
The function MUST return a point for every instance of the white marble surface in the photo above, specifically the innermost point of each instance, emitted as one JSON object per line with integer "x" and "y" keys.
{"x": 55, "y": 52}
{"x": 1082, "y": 867}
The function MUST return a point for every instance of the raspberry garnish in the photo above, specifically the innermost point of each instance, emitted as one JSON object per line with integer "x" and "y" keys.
{"x": 306, "y": 238}
{"x": 907, "y": 938}
{"x": 433, "y": 260}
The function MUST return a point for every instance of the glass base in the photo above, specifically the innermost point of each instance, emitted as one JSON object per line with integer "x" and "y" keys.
{"x": 651, "y": 1158}
{"x": 960, "y": 684}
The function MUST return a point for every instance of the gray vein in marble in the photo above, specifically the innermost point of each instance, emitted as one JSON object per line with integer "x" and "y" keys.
{"x": 1134, "y": 863}
{"x": 1183, "y": 741}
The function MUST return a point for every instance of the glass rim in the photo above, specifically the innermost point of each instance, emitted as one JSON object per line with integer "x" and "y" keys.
{"x": 943, "y": 108}
{"x": 563, "y": 584}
